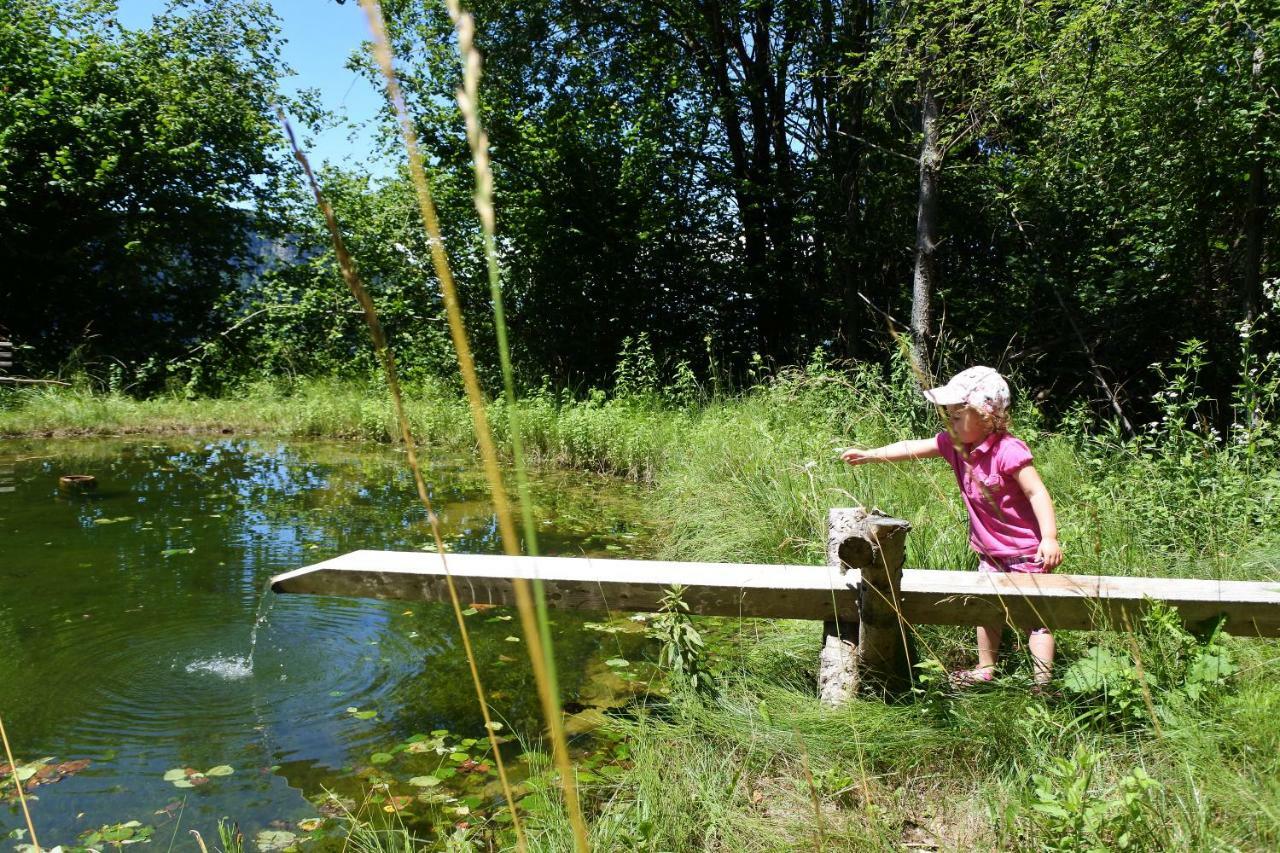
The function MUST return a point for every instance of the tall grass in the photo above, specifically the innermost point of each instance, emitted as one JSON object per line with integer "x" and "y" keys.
{"x": 750, "y": 478}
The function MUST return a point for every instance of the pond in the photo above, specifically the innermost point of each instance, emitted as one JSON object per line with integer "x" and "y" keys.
{"x": 127, "y": 670}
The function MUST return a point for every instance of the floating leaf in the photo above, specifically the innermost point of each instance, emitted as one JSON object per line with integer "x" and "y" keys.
{"x": 183, "y": 783}
{"x": 310, "y": 824}
{"x": 617, "y": 662}
{"x": 435, "y": 744}
{"x": 116, "y": 520}
{"x": 424, "y": 781}
{"x": 495, "y": 726}
{"x": 381, "y": 757}
{"x": 513, "y": 639}
{"x": 173, "y": 552}
{"x": 274, "y": 839}
{"x": 175, "y": 774}
{"x": 398, "y": 804}
{"x": 220, "y": 770}
{"x": 365, "y": 715}
{"x": 26, "y": 771}
{"x": 470, "y": 611}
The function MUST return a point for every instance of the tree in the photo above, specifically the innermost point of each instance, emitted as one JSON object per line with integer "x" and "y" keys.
{"x": 135, "y": 167}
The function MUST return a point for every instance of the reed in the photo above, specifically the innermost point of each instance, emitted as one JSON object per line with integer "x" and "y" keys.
{"x": 469, "y": 103}
{"x": 17, "y": 784}
{"x": 387, "y": 358}
{"x": 539, "y": 652}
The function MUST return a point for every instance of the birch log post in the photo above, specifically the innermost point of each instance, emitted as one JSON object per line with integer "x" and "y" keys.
{"x": 872, "y": 654}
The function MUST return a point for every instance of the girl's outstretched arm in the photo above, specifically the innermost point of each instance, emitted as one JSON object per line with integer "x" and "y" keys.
{"x": 1042, "y": 505}
{"x": 919, "y": 448}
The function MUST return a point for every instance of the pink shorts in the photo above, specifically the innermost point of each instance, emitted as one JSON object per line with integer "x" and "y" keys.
{"x": 1027, "y": 565}
{"x": 1023, "y": 565}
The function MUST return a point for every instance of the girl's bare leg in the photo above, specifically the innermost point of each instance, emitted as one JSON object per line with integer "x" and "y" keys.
{"x": 989, "y": 645}
{"x": 1041, "y": 644}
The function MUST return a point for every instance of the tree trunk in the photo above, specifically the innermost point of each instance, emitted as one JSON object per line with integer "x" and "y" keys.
{"x": 925, "y": 279}
{"x": 873, "y": 654}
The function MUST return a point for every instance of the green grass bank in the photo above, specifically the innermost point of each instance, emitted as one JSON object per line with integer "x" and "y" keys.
{"x": 1158, "y": 741}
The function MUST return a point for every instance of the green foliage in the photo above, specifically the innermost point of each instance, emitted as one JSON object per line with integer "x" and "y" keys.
{"x": 637, "y": 372}
{"x": 136, "y": 169}
{"x": 1110, "y": 681}
{"x": 1175, "y": 669}
{"x": 230, "y": 836}
{"x": 1075, "y": 816}
{"x": 683, "y": 649}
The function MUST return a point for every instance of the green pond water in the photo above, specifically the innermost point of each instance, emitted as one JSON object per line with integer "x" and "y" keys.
{"x": 126, "y": 619}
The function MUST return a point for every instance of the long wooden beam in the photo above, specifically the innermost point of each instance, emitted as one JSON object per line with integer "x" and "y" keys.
{"x": 929, "y": 597}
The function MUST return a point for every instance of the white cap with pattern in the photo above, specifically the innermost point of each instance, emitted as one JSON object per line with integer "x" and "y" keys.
{"x": 983, "y": 388}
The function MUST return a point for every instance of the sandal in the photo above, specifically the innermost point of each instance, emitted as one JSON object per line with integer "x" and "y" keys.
{"x": 969, "y": 677}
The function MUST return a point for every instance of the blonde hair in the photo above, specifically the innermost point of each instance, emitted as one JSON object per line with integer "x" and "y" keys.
{"x": 998, "y": 419}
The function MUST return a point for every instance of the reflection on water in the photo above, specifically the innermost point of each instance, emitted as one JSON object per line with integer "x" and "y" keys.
{"x": 126, "y": 617}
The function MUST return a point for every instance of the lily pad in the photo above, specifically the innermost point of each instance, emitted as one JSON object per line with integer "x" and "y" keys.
{"x": 381, "y": 757}
{"x": 175, "y": 774}
{"x": 398, "y": 804}
{"x": 424, "y": 781}
{"x": 220, "y": 770}
{"x": 274, "y": 839}
{"x": 117, "y": 835}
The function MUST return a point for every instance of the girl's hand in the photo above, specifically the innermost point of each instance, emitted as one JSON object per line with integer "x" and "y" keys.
{"x": 1050, "y": 552}
{"x": 858, "y": 456}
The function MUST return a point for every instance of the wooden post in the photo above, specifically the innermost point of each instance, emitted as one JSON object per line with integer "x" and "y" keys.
{"x": 873, "y": 654}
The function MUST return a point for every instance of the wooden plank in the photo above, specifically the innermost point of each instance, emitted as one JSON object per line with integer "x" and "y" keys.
{"x": 929, "y": 597}
{"x": 582, "y": 583}
{"x": 932, "y": 597}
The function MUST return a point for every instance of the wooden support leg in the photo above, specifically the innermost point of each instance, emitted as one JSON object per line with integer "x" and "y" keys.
{"x": 837, "y": 669}
{"x": 875, "y": 656}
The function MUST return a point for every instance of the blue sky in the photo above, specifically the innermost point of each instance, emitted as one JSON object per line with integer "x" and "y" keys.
{"x": 320, "y": 36}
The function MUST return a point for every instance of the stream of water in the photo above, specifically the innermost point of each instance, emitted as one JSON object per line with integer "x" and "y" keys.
{"x": 136, "y": 642}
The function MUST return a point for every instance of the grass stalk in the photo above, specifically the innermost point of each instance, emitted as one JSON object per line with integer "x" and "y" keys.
{"x": 539, "y": 653}
{"x": 385, "y": 355}
{"x": 22, "y": 798}
{"x": 469, "y": 103}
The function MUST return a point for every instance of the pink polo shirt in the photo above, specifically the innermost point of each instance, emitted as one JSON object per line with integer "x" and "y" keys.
{"x": 1001, "y": 521}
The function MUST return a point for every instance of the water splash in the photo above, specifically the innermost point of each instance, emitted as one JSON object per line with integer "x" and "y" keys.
{"x": 264, "y": 610}
{"x": 229, "y": 668}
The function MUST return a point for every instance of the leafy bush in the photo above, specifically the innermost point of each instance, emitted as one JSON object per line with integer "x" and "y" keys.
{"x": 1172, "y": 669}
{"x": 1074, "y": 816}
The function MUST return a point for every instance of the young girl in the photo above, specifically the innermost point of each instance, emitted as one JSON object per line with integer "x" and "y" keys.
{"x": 1012, "y": 525}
